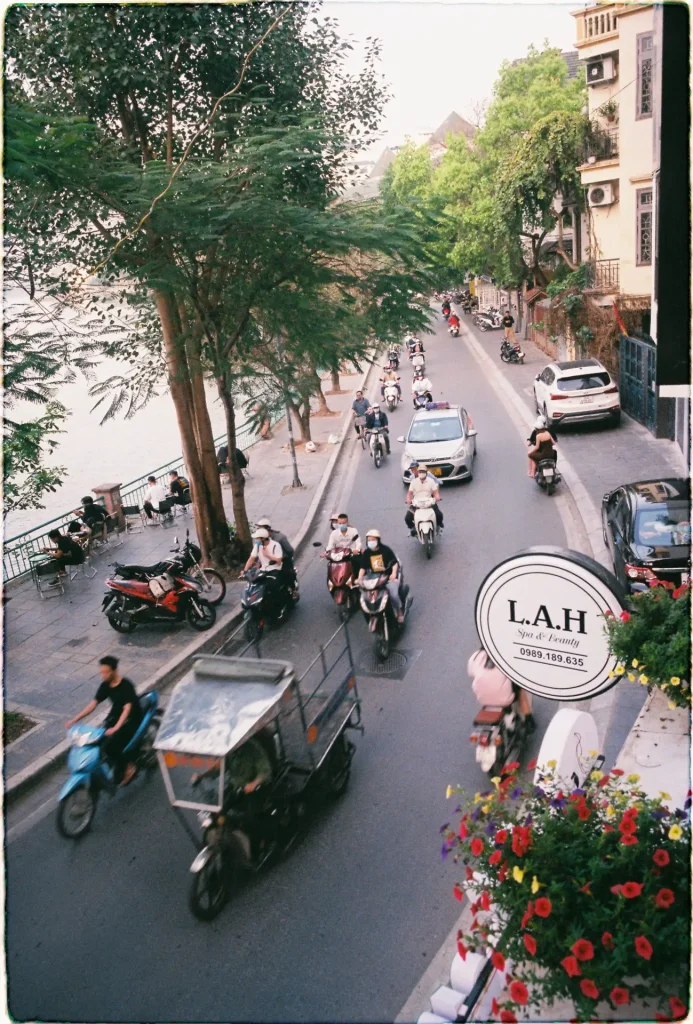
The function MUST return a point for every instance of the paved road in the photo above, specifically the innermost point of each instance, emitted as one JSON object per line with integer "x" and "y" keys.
{"x": 344, "y": 928}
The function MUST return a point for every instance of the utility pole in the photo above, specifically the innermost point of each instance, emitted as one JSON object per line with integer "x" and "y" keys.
{"x": 287, "y": 408}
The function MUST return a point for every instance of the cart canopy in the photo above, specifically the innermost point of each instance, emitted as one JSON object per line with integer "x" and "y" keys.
{"x": 221, "y": 702}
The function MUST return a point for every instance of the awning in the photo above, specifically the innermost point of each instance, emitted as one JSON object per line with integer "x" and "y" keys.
{"x": 533, "y": 294}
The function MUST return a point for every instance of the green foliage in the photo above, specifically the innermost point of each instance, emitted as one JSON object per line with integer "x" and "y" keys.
{"x": 565, "y": 280}
{"x": 652, "y": 641}
{"x": 572, "y": 303}
{"x": 584, "y": 334}
{"x": 26, "y": 445}
{"x": 591, "y": 884}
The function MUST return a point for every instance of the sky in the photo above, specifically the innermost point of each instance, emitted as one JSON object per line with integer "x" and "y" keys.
{"x": 444, "y": 56}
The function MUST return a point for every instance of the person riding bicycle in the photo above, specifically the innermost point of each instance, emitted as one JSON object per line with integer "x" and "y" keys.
{"x": 359, "y": 407}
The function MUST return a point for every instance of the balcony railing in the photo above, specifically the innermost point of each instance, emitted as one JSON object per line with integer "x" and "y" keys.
{"x": 597, "y": 22}
{"x": 603, "y": 145}
{"x": 605, "y": 274}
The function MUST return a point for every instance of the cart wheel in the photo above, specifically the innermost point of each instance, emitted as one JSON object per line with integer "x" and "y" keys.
{"x": 76, "y": 813}
{"x": 338, "y": 768}
{"x": 209, "y": 889}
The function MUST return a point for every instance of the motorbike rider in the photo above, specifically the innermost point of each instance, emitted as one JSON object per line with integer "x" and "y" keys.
{"x": 377, "y": 420}
{"x": 542, "y": 441}
{"x": 266, "y": 554}
{"x": 421, "y": 385}
{"x": 413, "y": 467}
{"x": 344, "y": 536}
{"x": 423, "y": 484}
{"x": 378, "y": 557}
{"x": 417, "y": 348}
{"x": 453, "y": 320}
{"x": 493, "y": 689}
{"x": 288, "y": 568}
{"x": 122, "y": 721}
{"x": 359, "y": 407}
{"x": 390, "y": 376}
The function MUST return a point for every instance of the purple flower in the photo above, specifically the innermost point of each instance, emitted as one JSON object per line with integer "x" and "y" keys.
{"x": 458, "y": 810}
{"x": 475, "y": 813}
{"x": 490, "y": 829}
{"x": 660, "y": 812}
{"x": 681, "y": 815}
{"x": 516, "y": 792}
{"x": 538, "y": 791}
{"x": 558, "y": 803}
{"x": 444, "y": 828}
{"x": 687, "y": 803}
{"x": 578, "y": 792}
{"x": 528, "y": 821}
{"x": 444, "y": 851}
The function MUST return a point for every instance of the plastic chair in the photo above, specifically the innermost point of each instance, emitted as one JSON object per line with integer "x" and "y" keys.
{"x": 74, "y": 571}
{"x": 134, "y": 518}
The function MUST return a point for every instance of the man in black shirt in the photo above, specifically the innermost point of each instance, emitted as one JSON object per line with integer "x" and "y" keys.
{"x": 508, "y": 329}
{"x": 377, "y": 420}
{"x": 94, "y": 516}
{"x": 123, "y": 719}
{"x": 378, "y": 557}
{"x": 66, "y": 551}
{"x": 179, "y": 488}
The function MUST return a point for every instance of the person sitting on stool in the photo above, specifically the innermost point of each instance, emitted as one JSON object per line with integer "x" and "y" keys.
{"x": 153, "y": 497}
{"x": 66, "y": 551}
{"x": 179, "y": 488}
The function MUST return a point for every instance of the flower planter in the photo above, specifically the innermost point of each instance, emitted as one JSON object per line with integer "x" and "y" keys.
{"x": 657, "y": 749}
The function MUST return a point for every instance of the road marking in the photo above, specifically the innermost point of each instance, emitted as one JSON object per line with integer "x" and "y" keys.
{"x": 37, "y": 815}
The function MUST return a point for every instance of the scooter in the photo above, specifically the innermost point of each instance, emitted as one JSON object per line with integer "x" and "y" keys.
{"x": 488, "y": 321}
{"x": 500, "y": 735}
{"x": 340, "y": 580}
{"x": 511, "y": 353}
{"x": 266, "y": 599}
{"x": 391, "y": 396}
{"x": 422, "y": 399}
{"x": 393, "y": 357}
{"x": 418, "y": 362}
{"x": 91, "y": 772}
{"x": 376, "y": 446}
{"x": 547, "y": 476}
{"x": 377, "y": 610}
{"x": 170, "y": 597}
{"x": 425, "y": 522}
{"x": 212, "y": 582}
{"x": 454, "y": 330}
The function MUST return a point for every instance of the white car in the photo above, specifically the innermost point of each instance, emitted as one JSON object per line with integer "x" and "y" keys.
{"x": 577, "y": 392}
{"x": 444, "y": 439}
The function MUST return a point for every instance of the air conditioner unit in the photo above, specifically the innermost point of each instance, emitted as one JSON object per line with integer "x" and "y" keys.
{"x": 602, "y": 70}
{"x": 601, "y": 195}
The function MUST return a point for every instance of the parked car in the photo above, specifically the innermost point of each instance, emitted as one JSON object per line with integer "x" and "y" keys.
{"x": 647, "y": 529}
{"x": 444, "y": 439}
{"x": 577, "y": 392}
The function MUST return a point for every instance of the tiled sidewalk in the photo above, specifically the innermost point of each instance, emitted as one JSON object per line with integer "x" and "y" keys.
{"x": 52, "y": 646}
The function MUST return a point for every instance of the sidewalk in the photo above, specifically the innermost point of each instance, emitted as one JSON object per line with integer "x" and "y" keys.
{"x": 52, "y": 646}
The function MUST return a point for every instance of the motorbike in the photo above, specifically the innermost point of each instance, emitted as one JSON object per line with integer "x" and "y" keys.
{"x": 340, "y": 580}
{"x": 499, "y": 735}
{"x": 511, "y": 353}
{"x": 488, "y": 321}
{"x": 425, "y": 522}
{"x": 446, "y": 314}
{"x": 91, "y": 773}
{"x": 391, "y": 396}
{"x": 376, "y": 446}
{"x": 171, "y": 596}
{"x": 266, "y": 599}
{"x": 212, "y": 582}
{"x": 454, "y": 330}
{"x": 547, "y": 475}
{"x": 422, "y": 399}
{"x": 418, "y": 361}
{"x": 393, "y": 357}
{"x": 377, "y": 610}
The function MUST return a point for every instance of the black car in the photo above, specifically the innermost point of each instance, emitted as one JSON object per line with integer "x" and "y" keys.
{"x": 647, "y": 529}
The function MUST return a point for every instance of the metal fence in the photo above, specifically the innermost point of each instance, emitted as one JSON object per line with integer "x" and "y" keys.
{"x": 605, "y": 274}
{"x": 17, "y": 549}
{"x": 603, "y": 145}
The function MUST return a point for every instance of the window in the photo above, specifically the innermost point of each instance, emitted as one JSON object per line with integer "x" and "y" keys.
{"x": 668, "y": 526}
{"x": 444, "y": 429}
{"x": 585, "y": 383}
{"x": 645, "y": 69}
{"x": 643, "y": 227}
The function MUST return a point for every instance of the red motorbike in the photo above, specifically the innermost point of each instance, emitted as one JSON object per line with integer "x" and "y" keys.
{"x": 170, "y": 597}
{"x": 341, "y": 581}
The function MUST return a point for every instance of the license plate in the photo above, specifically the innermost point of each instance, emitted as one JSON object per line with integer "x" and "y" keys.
{"x": 587, "y": 400}
{"x": 548, "y": 473}
{"x": 436, "y": 470}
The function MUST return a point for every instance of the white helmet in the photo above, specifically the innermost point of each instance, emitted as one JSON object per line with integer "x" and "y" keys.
{"x": 264, "y": 522}
{"x": 260, "y": 534}
{"x": 539, "y": 423}
{"x": 373, "y": 533}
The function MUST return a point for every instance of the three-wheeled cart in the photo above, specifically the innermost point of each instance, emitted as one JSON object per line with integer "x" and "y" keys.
{"x": 249, "y": 747}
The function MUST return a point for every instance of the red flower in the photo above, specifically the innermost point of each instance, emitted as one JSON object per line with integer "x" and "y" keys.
{"x": 617, "y": 771}
{"x": 589, "y": 989}
{"x": 629, "y": 840}
{"x": 474, "y": 908}
{"x": 519, "y": 993}
{"x": 484, "y": 901}
{"x": 522, "y": 840}
{"x": 509, "y": 768}
{"x": 498, "y": 961}
{"x": 616, "y": 890}
{"x": 530, "y": 943}
{"x": 503, "y": 871}
{"x": 507, "y": 1017}
{"x": 501, "y": 836}
{"x": 474, "y": 925}
{"x": 464, "y": 831}
{"x": 532, "y": 764}
{"x": 583, "y": 949}
{"x": 543, "y": 907}
{"x": 643, "y": 947}
{"x": 631, "y": 812}
{"x": 680, "y": 590}
{"x": 528, "y": 915}
{"x": 608, "y": 828}
{"x": 468, "y": 874}
{"x": 476, "y": 846}
{"x": 585, "y": 888}
{"x": 457, "y": 892}
{"x": 462, "y": 949}
{"x": 624, "y": 616}
{"x": 619, "y": 996}
{"x": 678, "y": 1008}
{"x": 628, "y": 825}
{"x": 495, "y": 1008}
{"x": 607, "y": 940}
{"x": 631, "y": 889}
{"x": 571, "y": 966}
{"x": 604, "y": 781}
{"x": 661, "y": 858}
{"x": 495, "y": 857}
{"x": 583, "y": 812}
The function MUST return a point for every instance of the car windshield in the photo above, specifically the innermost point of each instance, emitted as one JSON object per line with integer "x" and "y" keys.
{"x": 445, "y": 428}
{"x": 664, "y": 526}
{"x": 586, "y": 383}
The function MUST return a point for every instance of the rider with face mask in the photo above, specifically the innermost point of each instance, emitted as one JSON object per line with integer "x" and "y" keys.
{"x": 423, "y": 483}
{"x": 377, "y": 420}
{"x": 378, "y": 557}
{"x": 344, "y": 536}
{"x": 422, "y": 386}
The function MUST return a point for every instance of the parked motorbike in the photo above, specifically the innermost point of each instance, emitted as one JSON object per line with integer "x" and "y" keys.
{"x": 499, "y": 735}
{"x": 265, "y": 600}
{"x": 547, "y": 475}
{"x": 425, "y": 521}
{"x": 171, "y": 596}
{"x": 377, "y": 610}
{"x": 391, "y": 396}
{"x": 91, "y": 773}
{"x": 212, "y": 582}
{"x": 511, "y": 353}
{"x": 340, "y": 580}
{"x": 488, "y": 321}
{"x": 376, "y": 446}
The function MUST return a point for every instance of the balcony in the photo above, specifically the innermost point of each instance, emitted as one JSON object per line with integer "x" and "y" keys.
{"x": 605, "y": 277}
{"x": 597, "y": 23}
{"x": 602, "y": 145}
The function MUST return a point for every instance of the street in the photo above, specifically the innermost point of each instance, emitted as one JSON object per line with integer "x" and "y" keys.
{"x": 343, "y": 929}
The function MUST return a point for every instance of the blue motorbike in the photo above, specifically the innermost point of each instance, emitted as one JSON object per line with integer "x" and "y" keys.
{"x": 91, "y": 772}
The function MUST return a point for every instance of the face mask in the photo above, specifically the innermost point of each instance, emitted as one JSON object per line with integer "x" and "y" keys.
{"x": 372, "y": 544}
{"x": 343, "y": 527}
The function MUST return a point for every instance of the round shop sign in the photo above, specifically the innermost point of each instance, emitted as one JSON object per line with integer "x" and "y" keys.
{"x": 540, "y": 616}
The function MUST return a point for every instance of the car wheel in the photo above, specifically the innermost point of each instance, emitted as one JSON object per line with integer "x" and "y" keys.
{"x": 616, "y": 418}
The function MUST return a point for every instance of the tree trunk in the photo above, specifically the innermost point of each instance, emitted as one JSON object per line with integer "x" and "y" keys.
{"x": 240, "y": 514}
{"x": 302, "y": 418}
{"x": 323, "y": 407}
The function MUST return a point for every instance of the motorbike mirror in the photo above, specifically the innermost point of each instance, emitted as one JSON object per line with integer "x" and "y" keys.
{"x": 401, "y": 439}
{"x": 538, "y": 376}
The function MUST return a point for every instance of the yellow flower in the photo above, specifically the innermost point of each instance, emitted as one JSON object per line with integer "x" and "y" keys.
{"x": 448, "y": 792}
{"x": 610, "y": 811}
{"x": 611, "y": 674}
{"x": 675, "y": 832}
{"x": 644, "y": 680}
{"x": 632, "y": 778}
{"x": 671, "y": 705}
{"x": 477, "y": 798}
{"x": 518, "y": 873}
{"x": 665, "y": 686}
{"x": 634, "y": 662}
{"x": 496, "y": 781}
{"x": 675, "y": 681}
{"x": 536, "y": 884}
{"x": 551, "y": 764}
{"x": 631, "y": 677}
{"x": 596, "y": 775}
{"x": 484, "y": 808}
{"x": 620, "y": 670}
{"x": 665, "y": 796}
{"x": 593, "y": 753}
